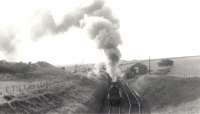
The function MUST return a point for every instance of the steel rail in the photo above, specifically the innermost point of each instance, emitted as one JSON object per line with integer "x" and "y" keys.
{"x": 137, "y": 96}
{"x": 119, "y": 108}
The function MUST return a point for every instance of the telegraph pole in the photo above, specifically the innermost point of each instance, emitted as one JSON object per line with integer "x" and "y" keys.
{"x": 149, "y": 65}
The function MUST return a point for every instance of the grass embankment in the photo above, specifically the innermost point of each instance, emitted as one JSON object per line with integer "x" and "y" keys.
{"x": 76, "y": 94}
{"x": 168, "y": 94}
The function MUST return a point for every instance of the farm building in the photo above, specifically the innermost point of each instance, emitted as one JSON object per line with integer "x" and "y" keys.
{"x": 166, "y": 62}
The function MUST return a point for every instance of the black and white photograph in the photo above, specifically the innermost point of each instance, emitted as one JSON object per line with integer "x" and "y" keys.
{"x": 99, "y": 57}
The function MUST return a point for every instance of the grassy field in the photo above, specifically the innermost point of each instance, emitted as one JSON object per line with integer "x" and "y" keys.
{"x": 175, "y": 92}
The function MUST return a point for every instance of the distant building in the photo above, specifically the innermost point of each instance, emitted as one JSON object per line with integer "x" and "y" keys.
{"x": 166, "y": 62}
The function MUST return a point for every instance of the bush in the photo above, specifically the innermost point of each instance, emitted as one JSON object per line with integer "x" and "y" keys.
{"x": 14, "y": 67}
{"x": 166, "y": 62}
{"x": 136, "y": 69}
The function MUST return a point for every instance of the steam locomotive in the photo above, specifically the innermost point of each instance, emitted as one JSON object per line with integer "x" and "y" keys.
{"x": 115, "y": 94}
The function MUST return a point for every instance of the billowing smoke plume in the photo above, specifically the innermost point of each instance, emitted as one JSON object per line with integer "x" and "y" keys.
{"x": 97, "y": 20}
{"x": 105, "y": 33}
{"x": 45, "y": 23}
{"x": 102, "y": 27}
{"x": 7, "y": 45}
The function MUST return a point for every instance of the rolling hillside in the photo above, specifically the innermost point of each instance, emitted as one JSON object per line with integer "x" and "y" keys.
{"x": 176, "y": 92}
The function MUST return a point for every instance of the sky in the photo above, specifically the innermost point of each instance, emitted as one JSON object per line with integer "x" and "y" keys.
{"x": 156, "y": 28}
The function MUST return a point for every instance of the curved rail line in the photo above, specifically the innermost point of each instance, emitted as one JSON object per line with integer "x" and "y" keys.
{"x": 137, "y": 98}
{"x": 132, "y": 96}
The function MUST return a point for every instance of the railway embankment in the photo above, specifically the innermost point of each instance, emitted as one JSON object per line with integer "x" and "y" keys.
{"x": 77, "y": 95}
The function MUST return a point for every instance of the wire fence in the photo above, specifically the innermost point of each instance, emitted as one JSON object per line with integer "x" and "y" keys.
{"x": 23, "y": 88}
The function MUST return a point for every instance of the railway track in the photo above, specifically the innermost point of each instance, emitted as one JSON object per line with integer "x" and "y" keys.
{"x": 135, "y": 100}
{"x": 131, "y": 102}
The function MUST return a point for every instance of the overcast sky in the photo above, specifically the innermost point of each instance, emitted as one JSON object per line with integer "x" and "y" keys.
{"x": 156, "y": 28}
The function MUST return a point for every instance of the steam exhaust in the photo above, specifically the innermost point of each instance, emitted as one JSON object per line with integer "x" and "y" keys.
{"x": 97, "y": 20}
{"x": 105, "y": 33}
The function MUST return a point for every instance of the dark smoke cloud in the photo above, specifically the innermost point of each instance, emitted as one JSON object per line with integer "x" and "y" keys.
{"x": 113, "y": 54}
{"x": 7, "y": 45}
{"x": 106, "y": 13}
{"x": 70, "y": 19}
{"x": 44, "y": 22}
{"x": 105, "y": 33}
{"x": 73, "y": 18}
{"x": 102, "y": 27}
{"x": 102, "y": 31}
{"x": 95, "y": 5}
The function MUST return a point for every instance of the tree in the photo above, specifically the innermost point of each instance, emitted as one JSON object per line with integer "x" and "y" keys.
{"x": 136, "y": 69}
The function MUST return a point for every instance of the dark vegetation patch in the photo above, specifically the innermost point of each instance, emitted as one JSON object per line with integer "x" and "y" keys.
{"x": 136, "y": 70}
{"x": 29, "y": 71}
{"x": 33, "y": 105}
{"x": 8, "y": 97}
